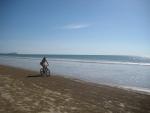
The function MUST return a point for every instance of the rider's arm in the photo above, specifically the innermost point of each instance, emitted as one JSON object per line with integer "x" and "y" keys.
{"x": 47, "y": 62}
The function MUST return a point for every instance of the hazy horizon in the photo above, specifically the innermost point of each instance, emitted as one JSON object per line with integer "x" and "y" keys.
{"x": 13, "y": 53}
{"x": 88, "y": 27}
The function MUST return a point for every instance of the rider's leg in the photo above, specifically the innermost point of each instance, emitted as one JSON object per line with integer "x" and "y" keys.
{"x": 43, "y": 68}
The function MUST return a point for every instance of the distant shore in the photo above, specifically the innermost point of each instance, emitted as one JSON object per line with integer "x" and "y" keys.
{"x": 25, "y": 91}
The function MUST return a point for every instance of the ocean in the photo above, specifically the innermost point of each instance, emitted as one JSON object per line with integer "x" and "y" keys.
{"x": 131, "y": 72}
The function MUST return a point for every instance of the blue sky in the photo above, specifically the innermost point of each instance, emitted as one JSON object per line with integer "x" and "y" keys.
{"x": 119, "y": 27}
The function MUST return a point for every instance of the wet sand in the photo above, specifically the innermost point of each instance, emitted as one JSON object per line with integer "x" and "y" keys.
{"x": 24, "y": 91}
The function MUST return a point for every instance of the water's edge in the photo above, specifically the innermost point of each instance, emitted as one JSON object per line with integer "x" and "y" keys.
{"x": 133, "y": 89}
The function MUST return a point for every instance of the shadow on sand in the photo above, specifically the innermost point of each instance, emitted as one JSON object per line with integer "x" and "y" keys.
{"x": 34, "y": 75}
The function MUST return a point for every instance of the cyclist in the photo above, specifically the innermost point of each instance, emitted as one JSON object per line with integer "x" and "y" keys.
{"x": 44, "y": 63}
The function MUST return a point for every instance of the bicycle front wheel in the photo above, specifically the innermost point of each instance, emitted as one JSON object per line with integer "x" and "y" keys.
{"x": 41, "y": 71}
{"x": 47, "y": 72}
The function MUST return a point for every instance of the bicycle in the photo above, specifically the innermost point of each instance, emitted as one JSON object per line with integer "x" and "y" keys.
{"x": 45, "y": 71}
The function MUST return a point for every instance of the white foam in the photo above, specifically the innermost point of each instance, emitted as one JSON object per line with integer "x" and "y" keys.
{"x": 137, "y": 89}
{"x": 98, "y": 62}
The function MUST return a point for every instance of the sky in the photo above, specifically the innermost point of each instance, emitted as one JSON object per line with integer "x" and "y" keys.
{"x": 110, "y": 27}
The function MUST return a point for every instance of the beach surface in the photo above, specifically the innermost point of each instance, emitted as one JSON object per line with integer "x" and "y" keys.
{"x": 24, "y": 91}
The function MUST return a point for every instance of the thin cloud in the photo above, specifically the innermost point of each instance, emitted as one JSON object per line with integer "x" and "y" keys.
{"x": 76, "y": 26}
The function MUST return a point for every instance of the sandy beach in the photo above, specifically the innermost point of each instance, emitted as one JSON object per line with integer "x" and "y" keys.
{"x": 24, "y": 91}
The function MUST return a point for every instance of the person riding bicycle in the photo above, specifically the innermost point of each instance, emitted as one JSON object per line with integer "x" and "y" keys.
{"x": 44, "y": 63}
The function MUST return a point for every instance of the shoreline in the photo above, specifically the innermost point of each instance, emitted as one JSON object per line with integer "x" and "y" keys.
{"x": 144, "y": 91}
{"x": 128, "y": 88}
{"x": 25, "y": 91}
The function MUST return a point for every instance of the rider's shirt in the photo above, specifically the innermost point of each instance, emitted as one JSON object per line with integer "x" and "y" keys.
{"x": 45, "y": 63}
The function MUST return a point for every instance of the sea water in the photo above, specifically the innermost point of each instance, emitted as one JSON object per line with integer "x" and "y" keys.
{"x": 122, "y": 71}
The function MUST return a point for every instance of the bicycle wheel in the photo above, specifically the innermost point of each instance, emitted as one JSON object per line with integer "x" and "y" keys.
{"x": 47, "y": 72}
{"x": 41, "y": 71}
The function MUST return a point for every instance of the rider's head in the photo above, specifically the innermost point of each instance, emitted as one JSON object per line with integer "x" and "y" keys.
{"x": 44, "y": 58}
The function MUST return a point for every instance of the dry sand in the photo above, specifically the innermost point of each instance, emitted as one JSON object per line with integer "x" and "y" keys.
{"x": 23, "y": 91}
